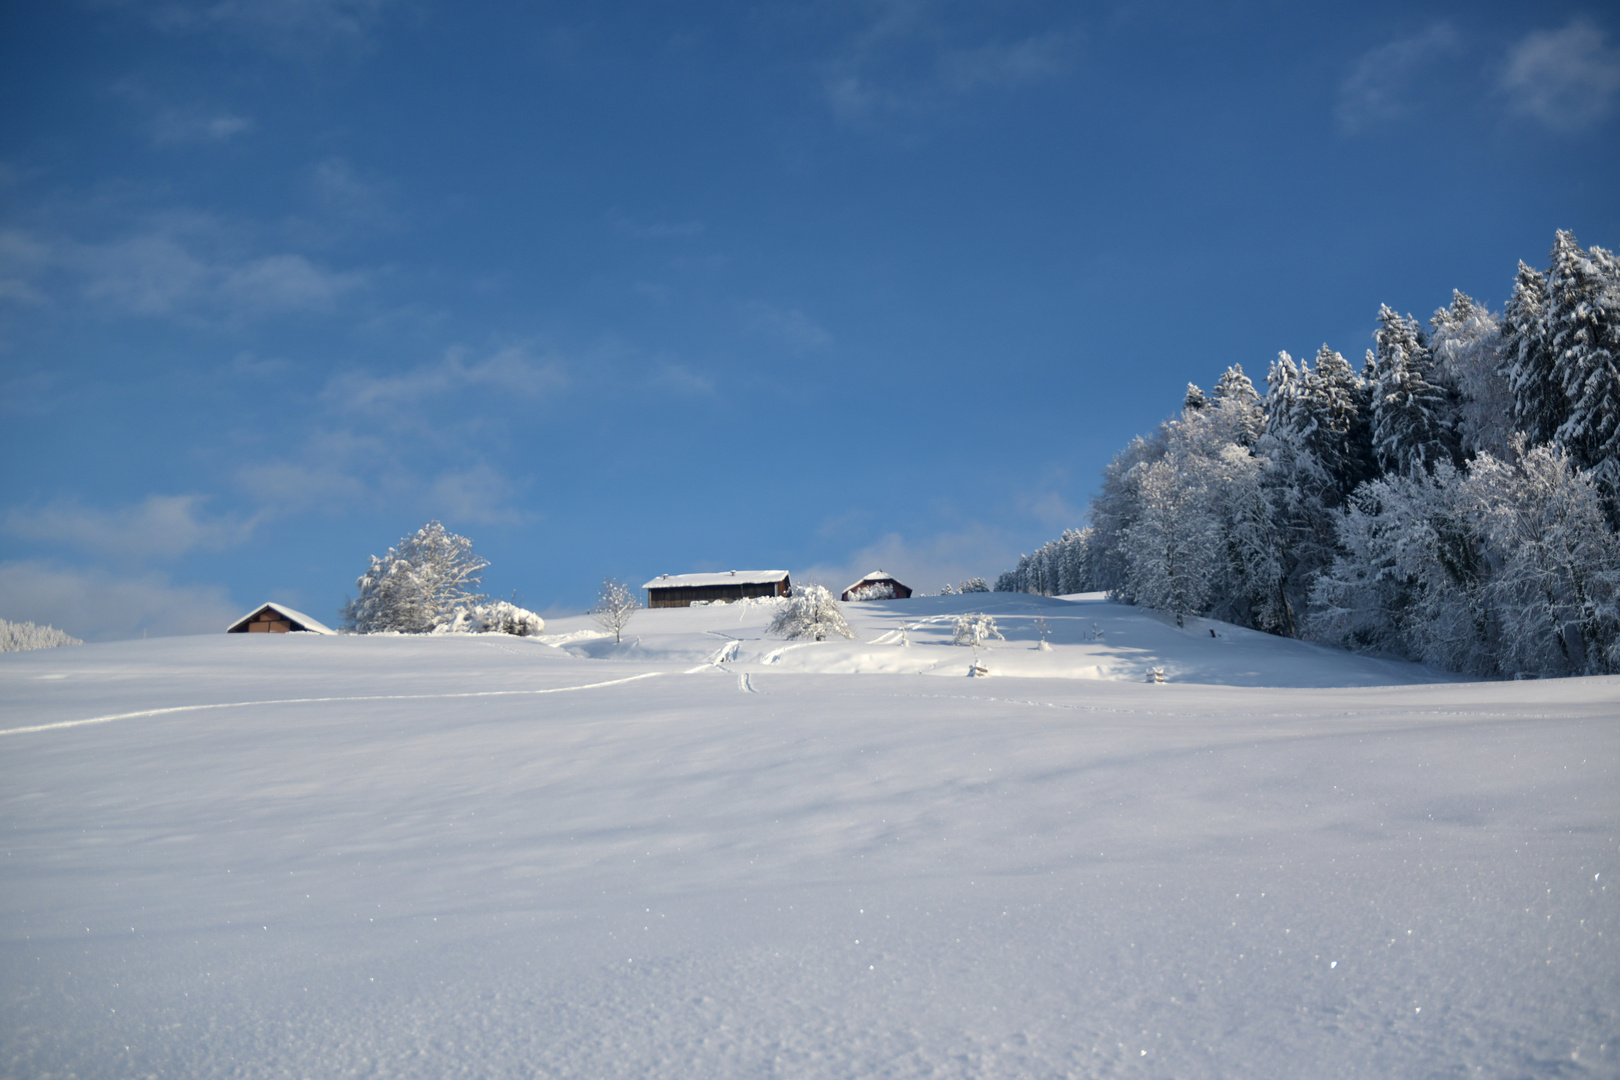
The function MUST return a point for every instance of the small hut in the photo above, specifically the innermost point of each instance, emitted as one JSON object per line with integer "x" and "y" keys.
{"x": 877, "y": 586}
{"x": 683, "y": 590}
{"x": 277, "y": 619}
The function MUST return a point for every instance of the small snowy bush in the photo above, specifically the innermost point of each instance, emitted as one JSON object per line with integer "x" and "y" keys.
{"x": 811, "y": 612}
{"x": 497, "y": 617}
{"x": 880, "y": 590}
{"x": 973, "y": 584}
{"x": 975, "y": 630}
{"x": 25, "y": 636}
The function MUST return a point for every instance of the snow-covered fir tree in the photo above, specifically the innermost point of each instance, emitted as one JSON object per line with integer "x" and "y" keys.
{"x": 1538, "y": 398}
{"x": 1583, "y": 334}
{"x": 1413, "y": 427}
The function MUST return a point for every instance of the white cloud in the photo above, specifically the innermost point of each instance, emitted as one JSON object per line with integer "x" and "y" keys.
{"x": 509, "y": 371}
{"x": 98, "y": 606}
{"x": 1568, "y": 79}
{"x": 160, "y": 526}
{"x": 1383, "y": 82}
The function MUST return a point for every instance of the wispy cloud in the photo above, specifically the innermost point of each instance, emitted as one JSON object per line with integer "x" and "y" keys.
{"x": 1383, "y": 82}
{"x": 177, "y": 266}
{"x": 788, "y": 325}
{"x": 682, "y": 380}
{"x": 274, "y": 25}
{"x": 97, "y": 605}
{"x": 509, "y": 371}
{"x": 172, "y": 126}
{"x": 480, "y": 495}
{"x": 345, "y": 201}
{"x": 656, "y": 230}
{"x": 912, "y": 56}
{"x": 1567, "y": 79}
{"x": 158, "y": 527}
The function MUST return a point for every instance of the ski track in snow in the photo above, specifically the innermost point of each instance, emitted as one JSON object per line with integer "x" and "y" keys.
{"x": 60, "y": 724}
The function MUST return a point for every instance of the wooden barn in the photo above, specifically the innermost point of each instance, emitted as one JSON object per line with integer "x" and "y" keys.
{"x": 877, "y": 581}
{"x": 277, "y": 619}
{"x": 682, "y": 590}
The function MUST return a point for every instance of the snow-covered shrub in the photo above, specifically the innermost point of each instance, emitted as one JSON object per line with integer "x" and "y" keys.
{"x": 24, "y": 636}
{"x": 878, "y": 590}
{"x": 948, "y": 590}
{"x": 615, "y": 604}
{"x": 495, "y": 617}
{"x": 811, "y": 612}
{"x": 418, "y": 586}
{"x": 975, "y": 630}
{"x": 973, "y": 584}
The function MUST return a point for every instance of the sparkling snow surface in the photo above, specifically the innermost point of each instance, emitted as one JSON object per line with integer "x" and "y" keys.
{"x": 704, "y": 853}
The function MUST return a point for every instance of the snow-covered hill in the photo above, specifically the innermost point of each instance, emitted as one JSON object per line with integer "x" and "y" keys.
{"x": 701, "y": 853}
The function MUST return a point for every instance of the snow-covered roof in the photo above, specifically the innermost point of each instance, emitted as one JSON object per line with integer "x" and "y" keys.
{"x": 873, "y": 577}
{"x": 725, "y": 577}
{"x": 312, "y": 625}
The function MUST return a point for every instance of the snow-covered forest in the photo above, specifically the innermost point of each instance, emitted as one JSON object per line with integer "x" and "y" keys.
{"x": 1456, "y": 501}
{"x": 23, "y": 636}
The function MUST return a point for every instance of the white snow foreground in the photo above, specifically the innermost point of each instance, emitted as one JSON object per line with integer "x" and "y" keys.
{"x": 476, "y": 856}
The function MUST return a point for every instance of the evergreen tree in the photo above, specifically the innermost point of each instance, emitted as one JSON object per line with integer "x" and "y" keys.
{"x": 1583, "y": 332}
{"x": 1538, "y": 398}
{"x": 1413, "y": 428}
{"x": 1342, "y": 440}
{"x": 1194, "y": 398}
{"x": 1236, "y": 392}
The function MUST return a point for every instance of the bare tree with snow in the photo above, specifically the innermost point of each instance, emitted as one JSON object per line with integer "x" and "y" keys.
{"x": 615, "y": 604}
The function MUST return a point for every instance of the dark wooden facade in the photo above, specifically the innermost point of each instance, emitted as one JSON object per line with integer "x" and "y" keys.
{"x": 897, "y": 591}
{"x": 682, "y": 595}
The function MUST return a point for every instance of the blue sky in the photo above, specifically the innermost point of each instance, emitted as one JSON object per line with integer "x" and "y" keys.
{"x": 626, "y": 289}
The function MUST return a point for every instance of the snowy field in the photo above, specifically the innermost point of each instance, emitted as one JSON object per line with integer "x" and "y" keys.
{"x": 705, "y": 853}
